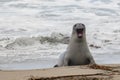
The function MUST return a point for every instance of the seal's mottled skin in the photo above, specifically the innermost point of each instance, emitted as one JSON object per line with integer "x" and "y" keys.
{"x": 77, "y": 52}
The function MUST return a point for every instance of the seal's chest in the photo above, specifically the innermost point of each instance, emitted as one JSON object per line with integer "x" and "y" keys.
{"x": 78, "y": 59}
{"x": 78, "y": 54}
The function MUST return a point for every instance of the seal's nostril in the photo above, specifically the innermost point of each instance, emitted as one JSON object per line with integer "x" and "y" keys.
{"x": 79, "y": 30}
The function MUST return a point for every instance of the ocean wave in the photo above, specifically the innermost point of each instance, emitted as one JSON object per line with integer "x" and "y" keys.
{"x": 54, "y": 38}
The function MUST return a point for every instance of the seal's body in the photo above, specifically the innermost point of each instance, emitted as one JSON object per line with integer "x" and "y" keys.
{"x": 77, "y": 52}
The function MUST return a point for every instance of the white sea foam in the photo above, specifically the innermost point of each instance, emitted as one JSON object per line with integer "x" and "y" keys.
{"x": 31, "y": 30}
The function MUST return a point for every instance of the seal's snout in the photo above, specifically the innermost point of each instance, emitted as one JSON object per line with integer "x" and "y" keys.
{"x": 79, "y": 28}
{"x": 79, "y": 32}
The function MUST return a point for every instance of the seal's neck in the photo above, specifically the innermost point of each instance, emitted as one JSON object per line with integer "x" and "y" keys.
{"x": 78, "y": 43}
{"x": 75, "y": 39}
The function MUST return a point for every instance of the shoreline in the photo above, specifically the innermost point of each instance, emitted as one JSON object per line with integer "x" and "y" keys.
{"x": 63, "y": 73}
{"x": 28, "y": 65}
{"x": 43, "y": 63}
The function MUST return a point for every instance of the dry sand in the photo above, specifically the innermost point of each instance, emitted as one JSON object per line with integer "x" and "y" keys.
{"x": 64, "y": 73}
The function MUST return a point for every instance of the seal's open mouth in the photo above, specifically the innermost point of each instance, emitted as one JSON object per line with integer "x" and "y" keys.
{"x": 79, "y": 33}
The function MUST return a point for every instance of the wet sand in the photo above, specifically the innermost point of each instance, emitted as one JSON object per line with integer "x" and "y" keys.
{"x": 64, "y": 73}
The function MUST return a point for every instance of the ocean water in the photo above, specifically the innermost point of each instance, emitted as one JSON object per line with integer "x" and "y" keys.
{"x": 33, "y": 33}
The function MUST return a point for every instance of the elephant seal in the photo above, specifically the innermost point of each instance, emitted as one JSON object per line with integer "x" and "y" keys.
{"x": 77, "y": 52}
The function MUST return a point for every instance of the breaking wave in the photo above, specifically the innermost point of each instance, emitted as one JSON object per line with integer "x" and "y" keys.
{"x": 54, "y": 38}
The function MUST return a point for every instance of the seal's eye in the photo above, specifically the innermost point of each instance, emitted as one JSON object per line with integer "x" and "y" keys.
{"x": 74, "y": 26}
{"x": 83, "y": 25}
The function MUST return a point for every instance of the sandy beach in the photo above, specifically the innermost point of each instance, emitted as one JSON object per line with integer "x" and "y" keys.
{"x": 64, "y": 73}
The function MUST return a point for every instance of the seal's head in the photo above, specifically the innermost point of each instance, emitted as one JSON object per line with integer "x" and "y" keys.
{"x": 79, "y": 30}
